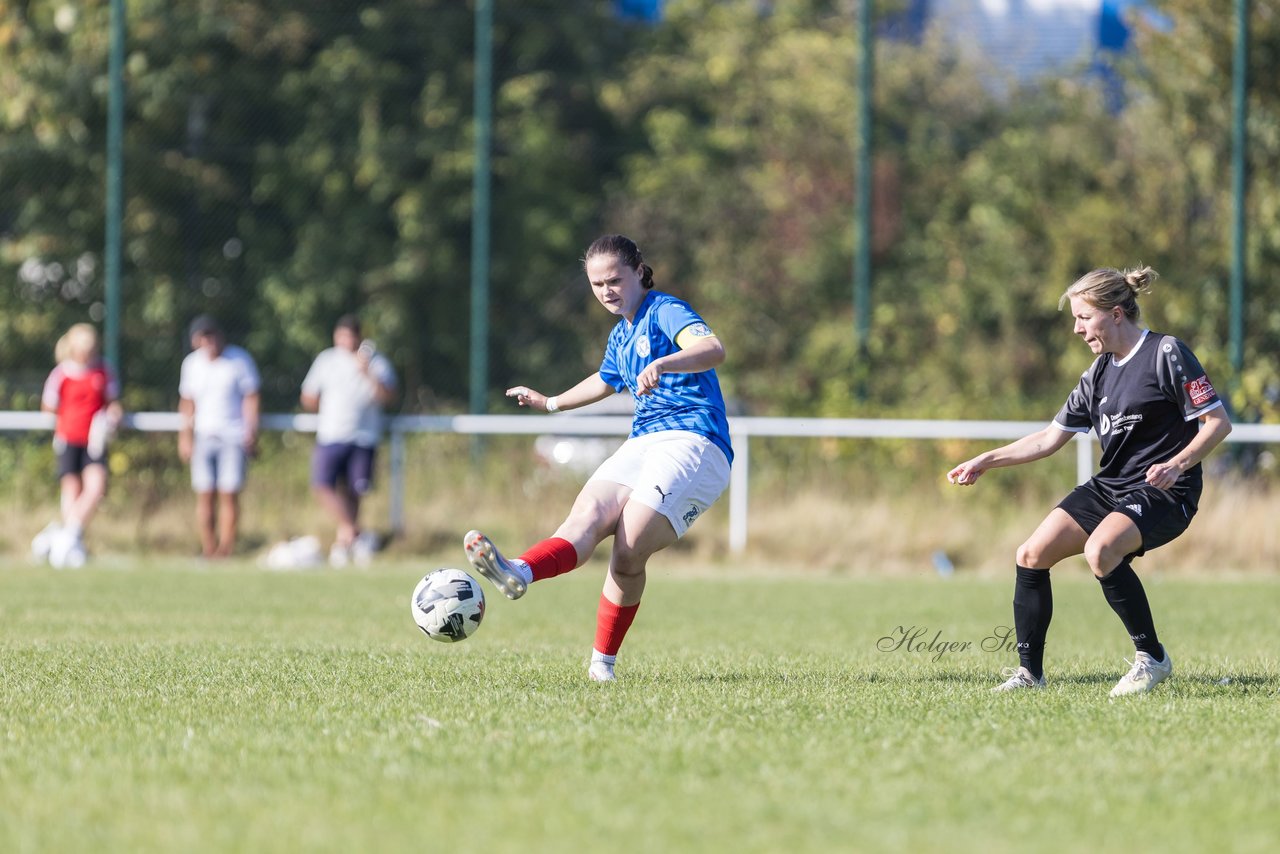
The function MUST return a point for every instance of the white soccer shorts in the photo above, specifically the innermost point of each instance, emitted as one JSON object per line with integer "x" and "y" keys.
{"x": 677, "y": 473}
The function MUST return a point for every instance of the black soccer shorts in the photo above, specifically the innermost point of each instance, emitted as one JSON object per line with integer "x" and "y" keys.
{"x": 1161, "y": 515}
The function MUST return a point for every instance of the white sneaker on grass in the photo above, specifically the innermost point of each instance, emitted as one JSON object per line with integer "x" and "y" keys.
{"x": 364, "y": 547}
{"x": 1017, "y": 678}
{"x": 601, "y": 671}
{"x": 1145, "y": 674}
{"x": 490, "y": 563}
{"x": 42, "y": 543}
{"x": 75, "y": 558}
{"x": 66, "y": 551}
{"x": 339, "y": 556}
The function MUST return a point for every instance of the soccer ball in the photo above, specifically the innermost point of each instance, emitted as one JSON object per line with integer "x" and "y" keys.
{"x": 448, "y": 605}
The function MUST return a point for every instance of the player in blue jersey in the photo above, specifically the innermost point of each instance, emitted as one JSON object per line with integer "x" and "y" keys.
{"x": 1156, "y": 416}
{"x": 672, "y": 467}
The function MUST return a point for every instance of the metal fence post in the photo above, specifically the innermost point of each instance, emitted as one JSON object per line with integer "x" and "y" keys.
{"x": 1084, "y": 457}
{"x": 114, "y": 213}
{"x": 738, "y": 499}
{"x": 397, "y": 479}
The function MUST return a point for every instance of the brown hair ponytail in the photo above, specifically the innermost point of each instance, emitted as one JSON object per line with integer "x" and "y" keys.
{"x": 626, "y": 251}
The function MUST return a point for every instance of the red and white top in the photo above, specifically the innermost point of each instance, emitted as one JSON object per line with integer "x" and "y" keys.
{"x": 77, "y": 393}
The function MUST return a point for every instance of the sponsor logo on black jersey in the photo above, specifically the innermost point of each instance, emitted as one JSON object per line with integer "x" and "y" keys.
{"x": 1118, "y": 423}
{"x": 1200, "y": 391}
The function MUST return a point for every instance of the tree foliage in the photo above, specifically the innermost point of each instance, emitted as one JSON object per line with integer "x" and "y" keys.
{"x": 289, "y": 161}
{"x": 991, "y": 199}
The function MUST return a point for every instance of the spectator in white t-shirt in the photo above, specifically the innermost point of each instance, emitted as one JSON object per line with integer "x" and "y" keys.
{"x": 219, "y": 405}
{"x": 348, "y": 384}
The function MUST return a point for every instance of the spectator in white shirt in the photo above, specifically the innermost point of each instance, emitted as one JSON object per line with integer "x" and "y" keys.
{"x": 219, "y": 405}
{"x": 348, "y": 385}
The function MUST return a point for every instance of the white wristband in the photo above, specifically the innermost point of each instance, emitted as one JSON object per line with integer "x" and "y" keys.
{"x": 552, "y": 405}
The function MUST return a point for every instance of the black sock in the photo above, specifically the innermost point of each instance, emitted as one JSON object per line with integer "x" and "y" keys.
{"x": 1032, "y": 611}
{"x": 1126, "y": 597}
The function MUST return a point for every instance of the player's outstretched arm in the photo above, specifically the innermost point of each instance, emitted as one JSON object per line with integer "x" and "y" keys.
{"x": 588, "y": 391}
{"x": 1037, "y": 446}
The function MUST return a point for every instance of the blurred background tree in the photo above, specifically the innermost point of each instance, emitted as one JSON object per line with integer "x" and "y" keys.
{"x": 287, "y": 162}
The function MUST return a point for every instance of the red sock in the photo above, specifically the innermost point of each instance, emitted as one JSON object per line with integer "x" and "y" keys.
{"x": 612, "y": 622}
{"x": 550, "y": 558}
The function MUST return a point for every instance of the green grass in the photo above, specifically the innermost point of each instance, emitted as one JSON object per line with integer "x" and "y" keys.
{"x": 168, "y": 707}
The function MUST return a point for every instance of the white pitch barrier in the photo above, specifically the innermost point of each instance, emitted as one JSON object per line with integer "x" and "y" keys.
{"x": 568, "y": 424}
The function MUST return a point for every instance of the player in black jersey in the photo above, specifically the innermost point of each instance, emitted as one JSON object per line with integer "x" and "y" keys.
{"x": 1157, "y": 416}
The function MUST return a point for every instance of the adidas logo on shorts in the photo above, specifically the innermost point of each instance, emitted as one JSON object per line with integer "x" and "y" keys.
{"x": 1136, "y": 508}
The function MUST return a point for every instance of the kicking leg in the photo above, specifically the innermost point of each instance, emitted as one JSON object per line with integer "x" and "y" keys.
{"x": 594, "y": 516}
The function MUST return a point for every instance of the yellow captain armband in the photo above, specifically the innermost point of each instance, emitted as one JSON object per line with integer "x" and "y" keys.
{"x": 692, "y": 334}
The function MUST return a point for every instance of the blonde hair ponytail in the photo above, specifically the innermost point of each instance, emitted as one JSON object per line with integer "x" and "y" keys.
{"x": 1109, "y": 288}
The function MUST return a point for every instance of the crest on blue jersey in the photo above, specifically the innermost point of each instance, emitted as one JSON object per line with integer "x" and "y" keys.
{"x": 642, "y": 346}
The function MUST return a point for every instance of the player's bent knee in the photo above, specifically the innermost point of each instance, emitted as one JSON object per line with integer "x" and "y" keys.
{"x": 627, "y": 570}
{"x": 1030, "y": 555}
{"x": 1104, "y": 566}
{"x": 628, "y": 561}
{"x": 1102, "y": 557}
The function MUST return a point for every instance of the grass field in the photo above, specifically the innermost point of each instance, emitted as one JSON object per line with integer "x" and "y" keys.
{"x": 174, "y": 706}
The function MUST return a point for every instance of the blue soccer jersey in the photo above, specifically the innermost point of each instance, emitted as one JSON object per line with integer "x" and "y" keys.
{"x": 681, "y": 401}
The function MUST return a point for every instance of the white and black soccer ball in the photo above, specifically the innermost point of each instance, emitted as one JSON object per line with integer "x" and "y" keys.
{"x": 448, "y": 605}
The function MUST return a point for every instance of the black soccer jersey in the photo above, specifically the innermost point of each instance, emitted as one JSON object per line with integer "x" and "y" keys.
{"x": 1143, "y": 408}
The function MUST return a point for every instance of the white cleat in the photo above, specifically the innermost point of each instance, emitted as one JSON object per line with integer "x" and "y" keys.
{"x": 1018, "y": 679}
{"x": 1145, "y": 674}
{"x": 490, "y": 563}
{"x": 601, "y": 671}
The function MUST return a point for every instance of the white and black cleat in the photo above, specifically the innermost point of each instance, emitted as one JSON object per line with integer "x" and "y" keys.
{"x": 490, "y": 563}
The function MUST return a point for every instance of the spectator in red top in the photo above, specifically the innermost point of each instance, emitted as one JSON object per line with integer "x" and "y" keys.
{"x": 82, "y": 392}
